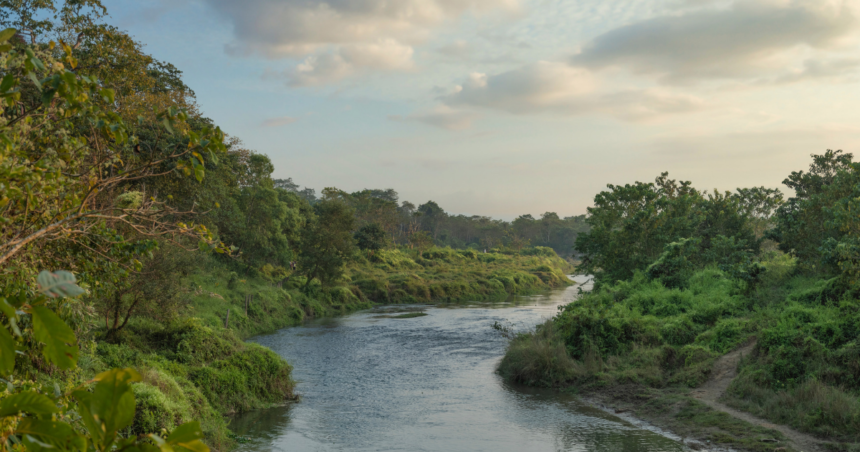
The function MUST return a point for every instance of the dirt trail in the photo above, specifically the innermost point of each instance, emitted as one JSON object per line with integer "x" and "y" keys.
{"x": 724, "y": 371}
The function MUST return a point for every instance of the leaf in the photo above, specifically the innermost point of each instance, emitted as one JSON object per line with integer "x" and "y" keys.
{"x": 110, "y": 407}
{"x": 7, "y": 309}
{"x": 92, "y": 424}
{"x": 7, "y": 83}
{"x": 35, "y": 80}
{"x": 199, "y": 172}
{"x": 29, "y": 402}
{"x": 7, "y": 352}
{"x": 186, "y": 432}
{"x": 60, "y": 342}
{"x": 187, "y": 436}
{"x": 53, "y": 434}
{"x": 58, "y": 284}
{"x": 6, "y": 34}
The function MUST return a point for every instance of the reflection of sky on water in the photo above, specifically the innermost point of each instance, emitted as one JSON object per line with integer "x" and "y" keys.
{"x": 427, "y": 383}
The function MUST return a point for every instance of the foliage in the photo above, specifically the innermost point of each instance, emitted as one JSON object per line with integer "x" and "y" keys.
{"x": 327, "y": 242}
{"x": 632, "y": 226}
{"x": 370, "y": 237}
{"x": 90, "y": 416}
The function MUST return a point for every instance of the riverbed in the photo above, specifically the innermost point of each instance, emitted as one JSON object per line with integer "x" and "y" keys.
{"x": 372, "y": 381}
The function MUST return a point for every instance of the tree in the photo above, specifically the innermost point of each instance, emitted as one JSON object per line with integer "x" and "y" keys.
{"x": 371, "y": 237}
{"x": 432, "y": 217}
{"x": 420, "y": 240}
{"x": 155, "y": 291}
{"x": 69, "y": 161}
{"x": 804, "y": 222}
{"x": 632, "y": 226}
{"x": 327, "y": 242}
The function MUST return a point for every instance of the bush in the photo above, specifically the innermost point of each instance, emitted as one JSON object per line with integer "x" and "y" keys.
{"x": 539, "y": 358}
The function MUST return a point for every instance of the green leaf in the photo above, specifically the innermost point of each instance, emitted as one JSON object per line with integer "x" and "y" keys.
{"x": 60, "y": 342}
{"x": 187, "y": 432}
{"x": 32, "y": 76}
{"x": 7, "y": 352}
{"x": 6, "y": 34}
{"x": 7, "y": 309}
{"x": 58, "y": 284}
{"x": 29, "y": 402}
{"x": 110, "y": 407}
{"x": 38, "y": 64}
{"x": 50, "y": 435}
{"x": 7, "y": 83}
{"x": 92, "y": 424}
{"x": 5, "y": 48}
{"x": 199, "y": 172}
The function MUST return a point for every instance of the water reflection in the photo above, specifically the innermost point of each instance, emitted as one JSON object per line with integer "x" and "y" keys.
{"x": 427, "y": 383}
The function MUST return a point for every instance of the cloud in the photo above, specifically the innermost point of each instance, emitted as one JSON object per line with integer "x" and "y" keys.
{"x": 338, "y": 36}
{"x": 349, "y": 60}
{"x": 540, "y": 86}
{"x": 278, "y": 122}
{"x": 457, "y": 49}
{"x": 746, "y": 39}
{"x": 442, "y": 116}
{"x": 552, "y": 87}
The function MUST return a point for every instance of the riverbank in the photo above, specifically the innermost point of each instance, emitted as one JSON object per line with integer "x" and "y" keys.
{"x": 639, "y": 346}
{"x": 199, "y": 367}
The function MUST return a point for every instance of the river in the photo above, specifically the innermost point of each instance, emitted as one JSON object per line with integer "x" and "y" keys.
{"x": 370, "y": 382}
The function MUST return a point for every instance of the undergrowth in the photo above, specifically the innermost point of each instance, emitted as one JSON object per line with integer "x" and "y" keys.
{"x": 804, "y": 371}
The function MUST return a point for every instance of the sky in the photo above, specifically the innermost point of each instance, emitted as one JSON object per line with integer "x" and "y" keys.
{"x": 507, "y": 107}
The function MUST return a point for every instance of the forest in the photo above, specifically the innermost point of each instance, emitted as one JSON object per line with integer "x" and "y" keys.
{"x": 684, "y": 276}
{"x": 140, "y": 245}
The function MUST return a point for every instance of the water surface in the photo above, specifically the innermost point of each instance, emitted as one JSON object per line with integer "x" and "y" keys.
{"x": 375, "y": 383}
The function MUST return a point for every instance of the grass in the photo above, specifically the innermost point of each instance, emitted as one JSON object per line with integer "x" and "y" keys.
{"x": 445, "y": 274}
{"x": 804, "y": 372}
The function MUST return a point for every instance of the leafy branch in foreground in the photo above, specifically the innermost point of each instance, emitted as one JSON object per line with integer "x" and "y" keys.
{"x": 88, "y": 418}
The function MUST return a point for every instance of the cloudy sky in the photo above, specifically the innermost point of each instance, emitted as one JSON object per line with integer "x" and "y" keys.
{"x": 505, "y": 107}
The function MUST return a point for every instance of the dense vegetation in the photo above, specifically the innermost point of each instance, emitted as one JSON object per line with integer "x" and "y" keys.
{"x": 140, "y": 245}
{"x": 683, "y": 277}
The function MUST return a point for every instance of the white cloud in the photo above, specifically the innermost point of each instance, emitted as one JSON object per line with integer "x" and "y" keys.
{"x": 543, "y": 85}
{"x": 338, "y": 36}
{"x": 551, "y": 87}
{"x": 278, "y": 122}
{"x": 349, "y": 60}
{"x": 745, "y": 39}
{"x": 444, "y": 117}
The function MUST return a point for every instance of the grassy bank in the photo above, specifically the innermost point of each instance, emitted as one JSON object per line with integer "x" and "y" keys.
{"x": 804, "y": 371}
{"x": 196, "y": 366}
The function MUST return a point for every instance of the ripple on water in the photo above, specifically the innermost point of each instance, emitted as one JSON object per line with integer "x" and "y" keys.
{"x": 428, "y": 384}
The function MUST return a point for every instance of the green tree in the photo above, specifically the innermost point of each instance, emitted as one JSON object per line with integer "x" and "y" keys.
{"x": 432, "y": 218}
{"x": 327, "y": 242}
{"x": 371, "y": 237}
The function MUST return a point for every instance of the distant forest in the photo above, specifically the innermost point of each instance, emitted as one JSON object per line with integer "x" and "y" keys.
{"x": 410, "y": 225}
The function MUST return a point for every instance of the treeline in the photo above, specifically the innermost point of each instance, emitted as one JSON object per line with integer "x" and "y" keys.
{"x": 428, "y": 223}
{"x": 684, "y": 276}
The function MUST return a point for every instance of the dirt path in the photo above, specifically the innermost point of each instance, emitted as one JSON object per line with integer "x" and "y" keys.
{"x": 724, "y": 371}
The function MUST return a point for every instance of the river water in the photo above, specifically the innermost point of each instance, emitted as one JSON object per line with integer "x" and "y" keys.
{"x": 370, "y": 382}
